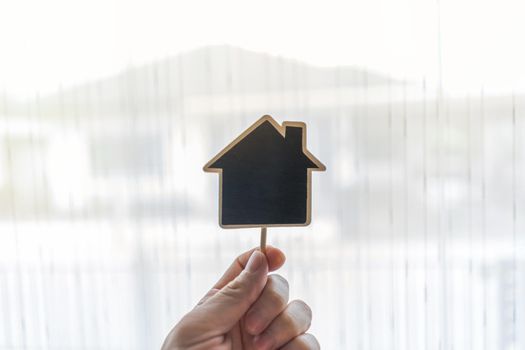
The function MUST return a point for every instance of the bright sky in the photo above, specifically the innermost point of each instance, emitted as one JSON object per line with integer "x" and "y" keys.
{"x": 45, "y": 44}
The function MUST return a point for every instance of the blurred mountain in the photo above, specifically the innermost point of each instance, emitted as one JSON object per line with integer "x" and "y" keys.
{"x": 160, "y": 86}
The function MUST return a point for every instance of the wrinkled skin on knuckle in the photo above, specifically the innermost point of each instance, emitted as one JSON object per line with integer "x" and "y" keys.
{"x": 234, "y": 287}
{"x": 237, "y": 287}
{"x": 241, "y": 290}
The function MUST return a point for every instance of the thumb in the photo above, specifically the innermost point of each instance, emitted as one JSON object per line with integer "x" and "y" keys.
{"x": 229, "y": 304}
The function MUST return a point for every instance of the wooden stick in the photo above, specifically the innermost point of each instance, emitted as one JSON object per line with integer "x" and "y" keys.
{"x": 263, "y": 240}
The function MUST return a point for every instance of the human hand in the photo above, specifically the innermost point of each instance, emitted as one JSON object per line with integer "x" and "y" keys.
{"x": 247, "y": 309}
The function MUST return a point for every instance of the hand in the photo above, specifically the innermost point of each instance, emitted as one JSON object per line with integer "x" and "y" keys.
{"x": 246, "y": 310}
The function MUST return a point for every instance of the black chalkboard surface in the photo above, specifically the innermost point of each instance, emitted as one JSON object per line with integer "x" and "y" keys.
{"x": 265, "y": 176}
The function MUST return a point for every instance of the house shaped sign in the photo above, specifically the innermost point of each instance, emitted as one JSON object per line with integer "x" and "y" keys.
{"x": 265, "y": 177}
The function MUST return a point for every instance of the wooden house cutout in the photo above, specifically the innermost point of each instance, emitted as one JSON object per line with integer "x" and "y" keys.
{"x": 265, "y": 176}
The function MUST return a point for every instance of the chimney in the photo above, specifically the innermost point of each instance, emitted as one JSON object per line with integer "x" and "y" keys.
{"x": 294, "y": 137}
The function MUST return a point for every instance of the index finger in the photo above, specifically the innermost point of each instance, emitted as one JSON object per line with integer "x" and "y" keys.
{"x": 275, "y": 257}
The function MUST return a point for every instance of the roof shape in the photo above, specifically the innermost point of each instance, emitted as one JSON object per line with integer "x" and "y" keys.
{"x": 290, "y": 138}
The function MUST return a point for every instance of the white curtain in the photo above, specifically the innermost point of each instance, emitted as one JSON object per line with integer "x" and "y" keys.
{"x": 109, "y": 227}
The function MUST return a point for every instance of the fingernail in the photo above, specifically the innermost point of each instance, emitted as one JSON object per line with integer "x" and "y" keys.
{"x": 255, "y": 262}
